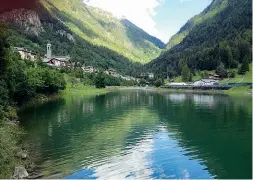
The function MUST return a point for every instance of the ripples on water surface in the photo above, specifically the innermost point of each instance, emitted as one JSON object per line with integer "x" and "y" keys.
{"x": 141, "y": 134}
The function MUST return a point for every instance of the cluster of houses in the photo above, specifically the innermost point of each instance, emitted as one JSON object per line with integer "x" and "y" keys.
{"x": 49, "y": 59}
{"x": 211, "y": 80}
{"x": 63, "y": 61}
{"x": 149, "y": 75}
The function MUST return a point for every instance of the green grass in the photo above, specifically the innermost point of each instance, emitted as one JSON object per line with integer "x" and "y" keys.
{"x": 80, "y": 90}
{"x": 247, "y": 78}
{"x": 239, "y": 91}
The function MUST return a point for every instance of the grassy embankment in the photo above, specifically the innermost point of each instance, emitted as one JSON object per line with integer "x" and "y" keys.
{"x": 79, "y": 89}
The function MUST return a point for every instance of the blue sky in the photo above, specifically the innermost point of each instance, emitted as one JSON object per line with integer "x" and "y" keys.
{"x": 160, "y": 18}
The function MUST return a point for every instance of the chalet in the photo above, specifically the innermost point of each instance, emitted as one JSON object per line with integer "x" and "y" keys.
{"x": 213, "y": 76}
{"x": 56, "y": 61}
{"x": 26, "y": 54}
{"x": 206, "y": 82}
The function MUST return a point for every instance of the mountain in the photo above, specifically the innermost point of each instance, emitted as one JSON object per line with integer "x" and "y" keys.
{"x": 136, "y": 34}
{"x": 103, "y": 29}
{"x": 222, "y": 33}
{"x": 89, "y": 35}
{"x": 212, "y": 10}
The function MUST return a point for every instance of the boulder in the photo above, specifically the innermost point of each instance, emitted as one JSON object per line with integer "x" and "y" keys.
{"x": 20, "y": 173}
{"x": 22, "y": 154}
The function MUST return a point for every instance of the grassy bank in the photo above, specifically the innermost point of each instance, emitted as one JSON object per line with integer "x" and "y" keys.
{"x": 79, "y": 89}
{"x": 189, "y": 91}
{"x": 235, "y": 91}
{"x": 239, "y": 91}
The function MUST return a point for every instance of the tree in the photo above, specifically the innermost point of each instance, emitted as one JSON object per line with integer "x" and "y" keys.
{"x": 186, "y": 74}
{"x": 100, "y": 80}
{"x": 4, "y": 48}
{"x": 221, "y": 71}
{"x": 245, "y": 66}
{"x": 158, "y": 82}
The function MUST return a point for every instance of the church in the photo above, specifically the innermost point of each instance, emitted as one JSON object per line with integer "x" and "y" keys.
{"x": 56, "y": 61}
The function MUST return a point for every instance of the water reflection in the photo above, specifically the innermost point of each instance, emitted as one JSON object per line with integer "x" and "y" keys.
{"x": 142, "y": 134}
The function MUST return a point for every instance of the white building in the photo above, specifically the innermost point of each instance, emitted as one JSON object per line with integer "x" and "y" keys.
{"x": 151, "y": 75}
{"x": 88, "y": 69}
{"x": 26, "y": 54}
{"x": 178, "y": 84}
{"x": 206, "y": 82}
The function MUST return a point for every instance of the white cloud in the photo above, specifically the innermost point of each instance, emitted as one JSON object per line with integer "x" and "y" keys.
{"x": 140, "y": 12}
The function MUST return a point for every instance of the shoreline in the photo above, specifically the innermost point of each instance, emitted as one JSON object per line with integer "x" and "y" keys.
{"x": 235, "y": 91}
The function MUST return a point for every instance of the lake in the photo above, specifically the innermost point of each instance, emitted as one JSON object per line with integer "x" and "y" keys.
{"x": 141, "y": 134}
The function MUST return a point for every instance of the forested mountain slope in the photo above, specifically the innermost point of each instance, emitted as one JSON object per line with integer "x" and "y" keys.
{"x": 101, "y": 28}
{"x": 225, "y": 36}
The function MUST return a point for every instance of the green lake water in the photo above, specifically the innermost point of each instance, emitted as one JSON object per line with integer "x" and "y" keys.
{"x": 140, "y": 134}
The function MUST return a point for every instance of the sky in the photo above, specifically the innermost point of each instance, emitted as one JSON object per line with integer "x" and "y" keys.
{"x": 160, "y": 18}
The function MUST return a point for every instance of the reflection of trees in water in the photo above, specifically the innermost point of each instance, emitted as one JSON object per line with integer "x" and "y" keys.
{"x": 220, "y": 136}
{"x": 213, "y": 128}
{"x": 72, "y": 133}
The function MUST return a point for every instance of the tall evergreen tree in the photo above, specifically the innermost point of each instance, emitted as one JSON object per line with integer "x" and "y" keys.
{"x": 186, "y": 73}
{"x": 245, "y": 65}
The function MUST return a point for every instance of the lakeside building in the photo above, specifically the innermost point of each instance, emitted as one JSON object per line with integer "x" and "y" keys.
{"x": 178, "y": 84}
{"x": 206, "y": 82}
{"x": 213, "y": 76}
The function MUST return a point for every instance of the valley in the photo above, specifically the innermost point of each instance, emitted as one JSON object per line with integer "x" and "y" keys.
{"x": 83, "y": 92}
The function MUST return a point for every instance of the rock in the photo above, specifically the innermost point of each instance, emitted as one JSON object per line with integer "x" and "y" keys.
{"x": 35, "y": 176}
{"x": 20, "y": 173}
{"x": 22, "y": 154}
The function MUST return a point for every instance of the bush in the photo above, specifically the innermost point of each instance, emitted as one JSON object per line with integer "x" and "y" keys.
{"x": 158, "y": 83}
{"x": 100, "y": 80}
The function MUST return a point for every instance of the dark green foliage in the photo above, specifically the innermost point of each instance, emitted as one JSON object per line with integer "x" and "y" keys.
{"x": 4, "y": 93}
{"x": 112, "y": 81}
{"x": 186, "y": 74}
{"x": 231, "y": 74}
{"x": 221, "y": 71}
{"x": 100, "y": 80}
{"x": 158, "y": 82}
{"x": 245, "y": 65}
{"x": 21, "y": 80}
{"x": 224, "y": 37}
{"x": 4, "y": 45}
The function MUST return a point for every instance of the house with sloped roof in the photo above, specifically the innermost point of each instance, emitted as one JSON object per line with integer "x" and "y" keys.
{"x": 206, "y": 82}
{"x": 26, "y": 54}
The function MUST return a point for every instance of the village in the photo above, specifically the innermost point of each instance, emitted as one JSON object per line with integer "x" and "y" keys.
{"x": 67, "y": 62}
{"x": 212, "y": 81}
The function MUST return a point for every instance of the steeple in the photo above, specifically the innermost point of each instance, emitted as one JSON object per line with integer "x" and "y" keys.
{"x": 49, "y": 51}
